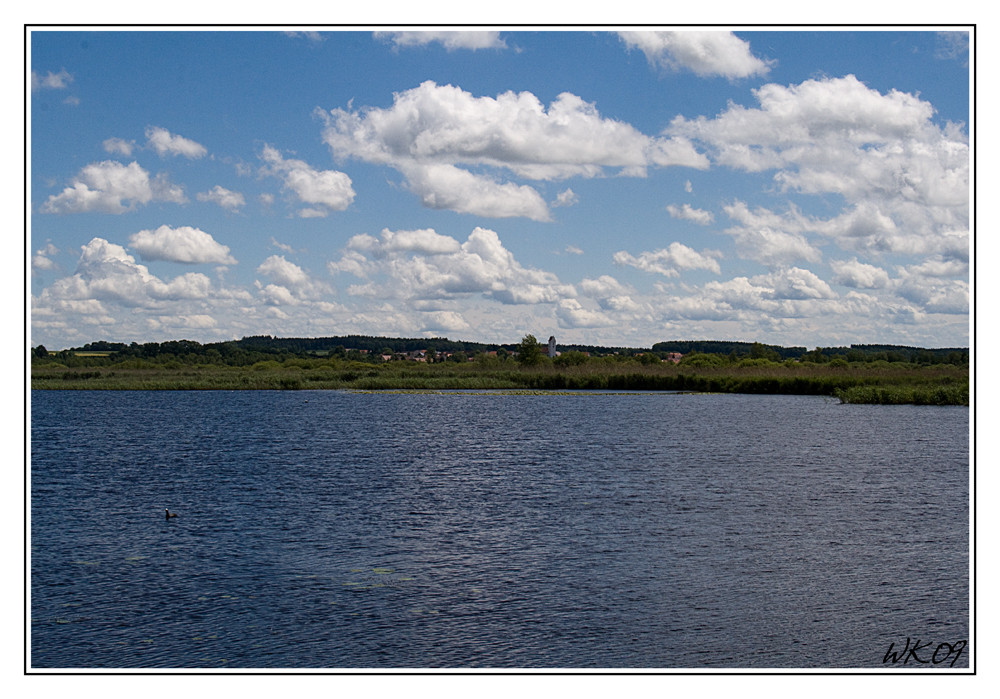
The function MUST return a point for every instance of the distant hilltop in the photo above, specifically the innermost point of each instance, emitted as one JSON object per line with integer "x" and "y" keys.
{"x": 369, "y": 345}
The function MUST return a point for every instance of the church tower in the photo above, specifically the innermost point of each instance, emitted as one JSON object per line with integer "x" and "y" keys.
{"x": 552, "y": 347}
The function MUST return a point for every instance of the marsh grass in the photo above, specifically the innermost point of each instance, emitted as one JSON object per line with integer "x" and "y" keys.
{"x": 900, "y": 395}
{"x": 852, "y": 383}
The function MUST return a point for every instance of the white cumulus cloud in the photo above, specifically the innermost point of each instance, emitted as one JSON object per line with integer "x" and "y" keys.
{"x": 609, "y": 293}
{"x": 166, "y": 143}
{"x": 689, "y": 213}
{"x": 904, "y": 178}
{"x": 422, "y": 265}
{"x": 668, "y": 261}
{"x": 443, "y": 322}
{"x": 771, "y": 238}
{"x": 705, "y": 53}
{"x": 112, "y": 187}
{"x": 291, "y": 284}
{"x": 119, "y": 146}
{"x": 182, "y": 244}
{"x": 328, "y": 189}
{"x": 572, "y": 314}
{"x": 859, "y": 275}
{"x": 566, "y": 197}
{"x": 227, "y": 199}
{"x": 433, "y": 133}
{"x": 42, "y": 259}
{"x": 442, "y": 186}
{"x": 794, "y": 283}
{"x": 107, "y": 272}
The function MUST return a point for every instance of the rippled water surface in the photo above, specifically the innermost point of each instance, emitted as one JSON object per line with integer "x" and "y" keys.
{"x": 342, "y": 530}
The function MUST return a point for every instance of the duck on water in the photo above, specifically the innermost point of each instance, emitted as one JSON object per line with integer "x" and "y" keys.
{"x": 169, "y": 513}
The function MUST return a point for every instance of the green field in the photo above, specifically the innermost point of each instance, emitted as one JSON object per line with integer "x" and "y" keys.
{"x": 860, "y": 382}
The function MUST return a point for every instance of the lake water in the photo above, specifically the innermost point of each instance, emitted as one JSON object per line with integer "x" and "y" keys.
{"x": 342, "y": 530}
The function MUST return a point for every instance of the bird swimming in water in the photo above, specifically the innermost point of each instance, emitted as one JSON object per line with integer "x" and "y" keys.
{"x": 169, "y": 513}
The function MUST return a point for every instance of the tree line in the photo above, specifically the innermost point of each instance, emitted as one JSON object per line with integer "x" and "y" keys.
{"x": 257, "y": 348}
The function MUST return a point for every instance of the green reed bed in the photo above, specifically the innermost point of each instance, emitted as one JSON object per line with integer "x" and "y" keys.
{"x": 900, "y": 395}
{"x": 851, "y": 383}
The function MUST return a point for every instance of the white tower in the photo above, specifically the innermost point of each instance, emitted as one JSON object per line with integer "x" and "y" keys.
{"x": 552, "y": 347}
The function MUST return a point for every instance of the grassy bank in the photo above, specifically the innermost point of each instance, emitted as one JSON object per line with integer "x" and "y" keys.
{"x": 873, "y": 382}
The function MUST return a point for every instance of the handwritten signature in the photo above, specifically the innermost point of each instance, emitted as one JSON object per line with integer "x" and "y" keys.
{"x": 920, "y": 653}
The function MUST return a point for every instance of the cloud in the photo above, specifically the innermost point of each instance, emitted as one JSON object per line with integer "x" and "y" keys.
{"x": 433, "y": 133}
{"x": 424, "y": 265}
{"x": 610, "y": 294}
{"x": 166, "y": 143}
{"x": 442, "y": 186}
{"x": 424, "y": 241}
{"x": 312, "y": 212}
{"x": 689, "y": 213}
{"x": 571, "y": 314}
{"x": 182, "y": 244}
{"x": 874, "y": 228}
{"x": 796, "y": 124}
{"x": 793, "y": 283}
{"x": 792, "y": 303}
{"x": 281, "y": 246}
{"x": 940, "y": 267}
{"x": 787, "y": 293}
{"x": 198, "y": 321}
{"x": 859, "y": 275}
{"x": 668, "y": 261}
{"x": 905, "y": 180}
{"x": 603, "y": 286}
{"x": 50, "y": 81}
{"x": 287, "y": 273}
{"x": 41, "y": 260}
{"x": 228, "y": 200}
{"x": 106, "y": 272}
{"x": 703, "y": 53}
{"x": 952, "y": 45}
{"x": 292, "y": 284}
{"x": 111, "y": 187}
{"x": 444, "y": 322}
{"x": 329, "y": 189}
{"x": 312, "y": 36}
{"x": 770, "y": 238}
{"x": 120, "y": 146}
{"x": 451, "y": 40}
{"x": 933, "y": 294}
{"x": 566, "y": 198}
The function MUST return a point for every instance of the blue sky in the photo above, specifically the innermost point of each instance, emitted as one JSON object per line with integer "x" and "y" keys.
{"x": 607, "y": 187}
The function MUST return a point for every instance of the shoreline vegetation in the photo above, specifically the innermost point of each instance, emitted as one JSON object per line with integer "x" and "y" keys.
{"x": 925, "y": 377}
